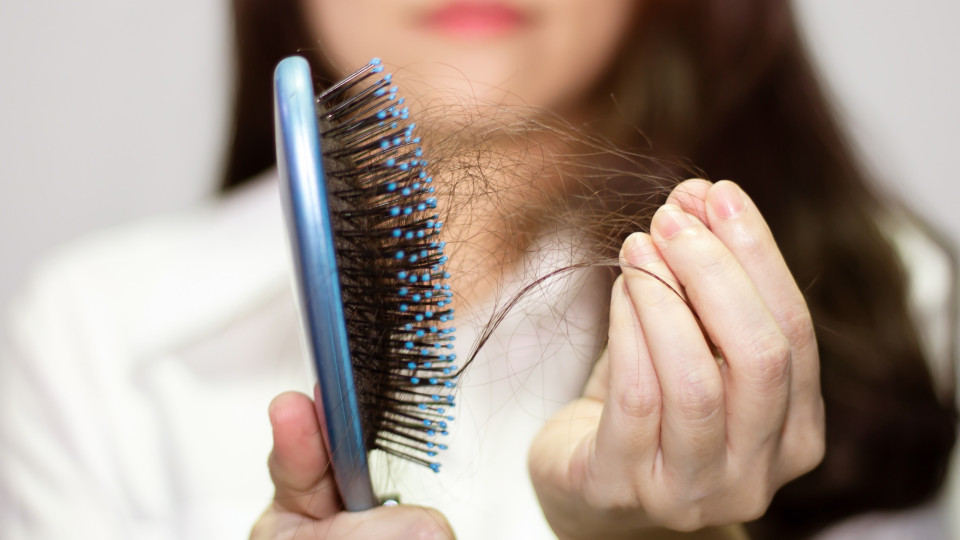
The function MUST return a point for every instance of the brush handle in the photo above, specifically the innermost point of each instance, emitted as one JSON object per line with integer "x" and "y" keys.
{"x": 319, "y": 301}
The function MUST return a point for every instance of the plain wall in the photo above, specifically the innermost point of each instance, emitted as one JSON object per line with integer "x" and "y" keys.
{"x": 893, "y": 68}
{"x": 109, "y": 110}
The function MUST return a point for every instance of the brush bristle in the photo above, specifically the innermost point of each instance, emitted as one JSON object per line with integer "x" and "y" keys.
{"x": 391, "y": 263}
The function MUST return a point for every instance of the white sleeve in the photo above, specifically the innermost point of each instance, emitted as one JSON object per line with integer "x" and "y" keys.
{"x": 58, "y": 475}
{"x": 932, "y": 293}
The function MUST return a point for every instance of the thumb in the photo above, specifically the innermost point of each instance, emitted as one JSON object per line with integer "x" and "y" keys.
{"x": 383, "y": 523}
{"x": 300, "y": 463}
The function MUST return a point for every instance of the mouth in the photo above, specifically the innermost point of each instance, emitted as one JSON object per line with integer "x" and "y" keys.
{"x": 475, "y": 19}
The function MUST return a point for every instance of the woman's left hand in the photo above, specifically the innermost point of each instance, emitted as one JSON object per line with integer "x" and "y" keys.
{"x": 703, "y": 405}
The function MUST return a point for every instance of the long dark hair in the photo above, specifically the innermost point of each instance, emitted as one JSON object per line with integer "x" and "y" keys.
{"x": 728, "y": 85}
{"x": 756, "y": 113}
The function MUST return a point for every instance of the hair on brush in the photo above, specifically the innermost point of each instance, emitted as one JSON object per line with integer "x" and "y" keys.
{"x": 377, "y": 200}
{"x": 386, "y": 234}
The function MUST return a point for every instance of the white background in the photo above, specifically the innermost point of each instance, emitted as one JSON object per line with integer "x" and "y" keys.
{"x": 112, "y": 109}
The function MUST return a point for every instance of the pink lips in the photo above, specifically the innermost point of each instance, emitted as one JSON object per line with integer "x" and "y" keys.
{"x": 475, "y": 19}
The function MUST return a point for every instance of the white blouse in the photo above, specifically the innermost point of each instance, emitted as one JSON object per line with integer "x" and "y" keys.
{"x": 138, "y": 364}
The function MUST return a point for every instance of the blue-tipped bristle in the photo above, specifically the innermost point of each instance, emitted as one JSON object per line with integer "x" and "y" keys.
{"x": 391, "y": 266}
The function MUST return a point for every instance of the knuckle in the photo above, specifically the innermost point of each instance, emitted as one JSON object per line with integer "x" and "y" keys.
{"x": 797, "y": 324}
{"x": 622, "y": 321}
{"x": 768, "y": 358}
{"x": 710, "y": 253}
{"x": 639, "y": 400}
{"x": 699, "y": 395}
{"x": 750, "y": 244}
{"x": 659, "y": 297}
{"x": 649, "y": 288}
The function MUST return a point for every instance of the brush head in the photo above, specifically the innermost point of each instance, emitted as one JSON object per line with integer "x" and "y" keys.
{"x": 396, "y": 300}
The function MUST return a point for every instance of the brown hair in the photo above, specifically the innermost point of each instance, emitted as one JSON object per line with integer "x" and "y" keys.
{"x": 756, "y": 113}
{"x": 728, "y": 85}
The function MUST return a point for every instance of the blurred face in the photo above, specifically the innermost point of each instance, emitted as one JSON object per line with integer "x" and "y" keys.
{"x": 541, "y": 53}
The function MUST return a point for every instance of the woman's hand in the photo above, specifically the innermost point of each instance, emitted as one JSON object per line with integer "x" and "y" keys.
{"x": 307, "y": 505}
{"x": 699, "y": 410}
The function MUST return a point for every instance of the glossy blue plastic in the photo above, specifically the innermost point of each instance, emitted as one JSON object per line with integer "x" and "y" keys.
{"x": 319, "y": 299}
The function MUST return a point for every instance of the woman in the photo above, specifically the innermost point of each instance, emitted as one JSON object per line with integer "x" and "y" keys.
{"x": 728, "y": 89}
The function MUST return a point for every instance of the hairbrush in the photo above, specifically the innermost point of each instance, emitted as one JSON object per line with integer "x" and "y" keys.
{"x": 370, "y": 282}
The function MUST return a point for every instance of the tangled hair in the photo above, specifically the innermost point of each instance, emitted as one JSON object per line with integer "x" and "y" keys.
{"x": 727, "y": 85}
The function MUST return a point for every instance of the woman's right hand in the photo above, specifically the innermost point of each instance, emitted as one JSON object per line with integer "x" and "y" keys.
{"x": 707, "y": 399}
{"x": 306, "y": 504}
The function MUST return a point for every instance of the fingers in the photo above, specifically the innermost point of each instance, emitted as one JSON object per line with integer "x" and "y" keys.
{"x": 391, "y": 523}
{"x": 307, "y": 504}
{"x": 708, "y": 274}
{"x": 693, "y": 431}
{"x": 387, "y": 523}
{"x": 299, "y": 463}
{"x": 735, "y": 220}
{"x": 396, "y": 523}
{"x": 738, "y": 225}
{"x": 737, "y": 321}
{"x": 691, "y": 196}
{"x": 629, "y": 429}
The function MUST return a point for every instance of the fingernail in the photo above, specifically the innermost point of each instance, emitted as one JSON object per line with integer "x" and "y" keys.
{"x": 671, "y": 220}
{"x": 727, "y": 200}
{"x": 638, "y": 250}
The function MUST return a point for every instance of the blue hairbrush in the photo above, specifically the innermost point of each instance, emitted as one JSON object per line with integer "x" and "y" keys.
{"x": 369, "y": 265}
